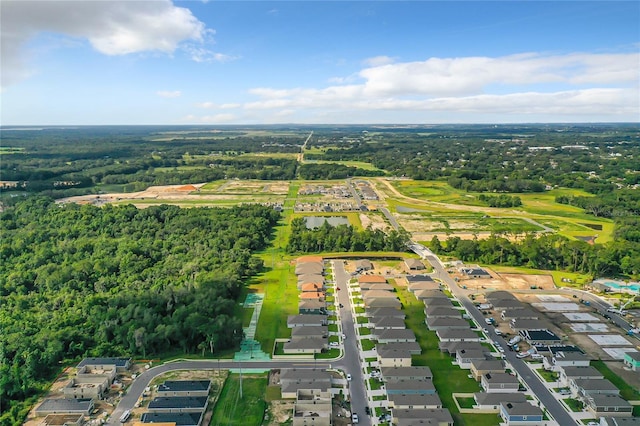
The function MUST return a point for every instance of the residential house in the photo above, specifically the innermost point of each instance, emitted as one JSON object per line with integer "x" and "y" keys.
{"x": 442, "y": 312}
{"x": 507, "y": 305}
{"x": 371, "y": 279}
{"x": 312, "y": 407}
{"x": 390, "y": 336}
{"x": 475, "y": 273}
{"x": 608, "y": 405}
{"x": 491, "y": 400}
{"x": 494, "y": 296}
{"x": 384, "y": 312}
{"x": 424, "y": 285}
{"x": 430, "y": 294}
{"x": 568, "y": 373}
{"x": 306, "y": 320}
{"x": 312, "y": 295}
{"x": 521, "y": 413}
{"x": 412, "y": 347}
{"x": 393, "y": 358}
{"x": 516, "y": 314}
{"x": 414, "y": 264}
{"x": 86, "y": 387}
{"x": 364, "y": 265}
{"x": 311, "y": 287}
{"x": 312, "y": 307}
{"x": 435, "y": 301}
{"x": 315, "y": 268}
{"x": 184, "y": 388}
{"x": 294, "y": 379}
{"x": 310, "y": 278}
{"x": 499, "y": 382}
{"x": 385, "y": 323}
{"x": 480, "y": 367}
{"x": 378, "y": 294}
{"x": 376, "y": 286}
{"x": 418, "y": 278}
{"x": 309, "y": 345}
{"x": 390, "y": 374}
{"x": 566, "y": 359}
{"x": 410, "y": 387}
{"x": 414, "y": 401}
{"x": 464, "y": 357}
{"x": 309, "y": 331}
{"x": 587, "y": 387}
{"x": 177, "y": 419}
{"x": 437, "y": 323}
{"x": 87, "y": 371}
{"x": 65, "y": 406}
{"x": 632, "y": 360}
{"x": 178, "y": 404}
{"x": 457, "y": 335}
{"x": 451, "y": 347}
{"x": 382, "y": 302}
{"x": 121, "y": 364}
{"x": 430, "y": 417}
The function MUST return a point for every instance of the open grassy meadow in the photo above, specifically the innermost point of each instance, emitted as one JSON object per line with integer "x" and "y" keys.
{"x": 245, "y": 410}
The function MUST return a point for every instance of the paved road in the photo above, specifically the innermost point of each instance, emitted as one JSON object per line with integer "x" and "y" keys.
{"x": 350, "y": 363}
{"x": 354, "y": 193}
{"x": 141, "y": 382}
{"x": 389, "y": 216}
{"x": 554, "y": 407}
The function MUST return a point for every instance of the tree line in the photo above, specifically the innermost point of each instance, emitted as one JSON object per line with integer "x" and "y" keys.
{"x": 81, "y": 281}
{"x": 342, "y": 238}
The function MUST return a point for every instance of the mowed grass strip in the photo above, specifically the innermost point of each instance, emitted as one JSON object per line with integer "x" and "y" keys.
{"x": 249, "y": 410}
{"x": 447, "y": 378}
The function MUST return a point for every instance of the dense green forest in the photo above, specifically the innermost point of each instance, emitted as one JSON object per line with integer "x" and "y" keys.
{"x": 82, "y": 280}
{"x": 342, "y": 238}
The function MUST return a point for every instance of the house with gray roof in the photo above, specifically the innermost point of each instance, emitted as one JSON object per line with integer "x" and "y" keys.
{"x": 499, "y": 382}
{"x": 587, "y": 387}
{"x": 312, "y": 307}
{"x": 568, "y": 373}
{"x": 527, "y": 324}
{"x": 479, "y": 367}
{"x": 406, "y": 373}
{"x": 521, "y": 413}
{"x": 306, "y": 320}
{"x": 310, "y": 331}
{"x": 375, "y": 294}
{"x": 437, "y": 323}
{"x": 179, "y": 419}
{"x": 309, "y": 268}
{"x": 296, "y": 374}
{"x": 376, "y": 286}
{"x": 418, "y": 278}
{"x": 410, "y": 387}
{"x": 507, "y": 304}
{"x": 414, "y": 401}
{"x": 393, "y": 357}
{"x": 619, "y": 421}
{"x": 414, "y": 264}
{"x": 632, "y": 360}
{"x": 363, "y": 265}
{"x": 310, "y": 278}
{"x": 475, "y": 273}
{"x": 464, "y": 357}
{"x": 516, "y": 314}
{"x": 184, "y": 388}
{"x": 562, "y": 359}
{"x": 178, "y": 404}
{"x": 442, "y": 312}
{"x": 608, "y": 405}
{"x": 491, "y": 400}
{"x": 384, "y": 312}
{"x": 387, "y": 323}
{"x": 122, "y": 364}
{"x": 382, "y": 302}
{"x": 390, "y": 336}
{"x": 499, "y": 295}
{"x": 412, "y": 347}
{"x": 65, "y": 406}
{"x": 452, "y": 347}
{"x": 457, "y": 335}
{"x": 430, "y": 416}
{"x": 305, "y": 345}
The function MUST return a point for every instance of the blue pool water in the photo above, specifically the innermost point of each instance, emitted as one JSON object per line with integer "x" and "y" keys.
{"x": 613, "y": 284}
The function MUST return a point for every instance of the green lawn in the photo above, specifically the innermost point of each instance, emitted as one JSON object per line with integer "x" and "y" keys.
{"x": 549, "y": 376}
{"x": 248, "y": 410}
{"x": 626, "y": 391}
{"x": 447, "y": 378}
{"x": 574, "y": 404}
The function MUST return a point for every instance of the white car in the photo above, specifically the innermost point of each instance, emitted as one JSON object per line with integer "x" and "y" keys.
{"x": 348, "y": 376}
{"x": 500, "y": 348}
{"x": 334, "y": 344}
{"x": 354, "y": 418}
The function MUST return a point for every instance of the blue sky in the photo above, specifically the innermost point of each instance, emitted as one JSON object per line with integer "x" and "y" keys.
{"x": 242, "y": 62}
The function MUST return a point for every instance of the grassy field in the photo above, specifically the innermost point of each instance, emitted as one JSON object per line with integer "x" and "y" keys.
{"x": 626, "y": 391}
{"x": 248, "y": 410}
{"x": 358, "y": 164}
{"x": 447, "y": 378}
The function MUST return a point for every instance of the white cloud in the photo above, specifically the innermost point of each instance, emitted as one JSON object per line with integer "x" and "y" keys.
{"x": 169, "y": 93}
{"x": 115, "y": 27}
{"x": 555, "y": 85}
{"x": 201, "y": 54}
{"x": 377, "y": 61}
{"x": 207, "y": 105}
{"x": 218, "y": 118}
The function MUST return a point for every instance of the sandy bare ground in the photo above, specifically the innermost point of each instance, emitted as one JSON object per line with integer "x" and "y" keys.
{"x": 374, "y": 221}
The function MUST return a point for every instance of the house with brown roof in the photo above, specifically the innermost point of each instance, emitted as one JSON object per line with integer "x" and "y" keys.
{"x": 450, "y": 323}
{"x": 371, "y": 279}
{"x": 414, "y": 264}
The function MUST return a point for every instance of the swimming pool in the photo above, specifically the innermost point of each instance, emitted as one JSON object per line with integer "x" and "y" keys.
{"x": 634, "y": 287}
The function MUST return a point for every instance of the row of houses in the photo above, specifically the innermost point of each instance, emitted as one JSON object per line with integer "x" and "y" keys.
{"x": 411, "y": 395}
{"x": 309, "y": 329}
{"x": 93, "y": 379}
{"x": 312, "y": 390}
{"x": 179, "y": 402}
